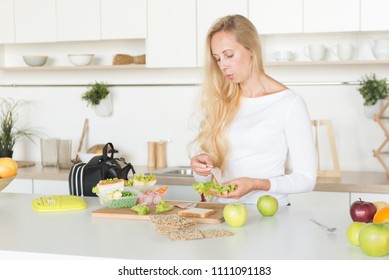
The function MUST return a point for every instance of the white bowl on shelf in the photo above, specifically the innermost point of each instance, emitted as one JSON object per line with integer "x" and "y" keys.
{"x": 80, "y": 59}
{"x": 35, "y": 60}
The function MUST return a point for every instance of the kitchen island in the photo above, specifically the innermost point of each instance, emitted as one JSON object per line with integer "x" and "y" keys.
{"x": 287, "y": 235}
{"x": 350, "y": 181}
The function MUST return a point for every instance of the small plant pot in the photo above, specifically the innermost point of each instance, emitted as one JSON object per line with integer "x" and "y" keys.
{"x": 372, "y": 110}
{"x": 104, "y": 108}
{"x": 6, "y": 154}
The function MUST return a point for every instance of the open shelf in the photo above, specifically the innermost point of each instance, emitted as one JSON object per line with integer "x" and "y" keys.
{"x": 88, "y": 67}
{"x": 327, "y": 62}
{"x": 143, "y": 66}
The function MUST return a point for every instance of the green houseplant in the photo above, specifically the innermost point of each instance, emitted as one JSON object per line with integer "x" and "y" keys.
{"x": 9, "y": 132}
{"x": 373, "y": 89}
{"x": 95, "y": 93}
{"x": 97, "y": 96}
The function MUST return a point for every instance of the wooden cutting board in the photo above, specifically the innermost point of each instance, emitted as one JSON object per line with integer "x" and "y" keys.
{"x": 127, "y": 213}
{"x": 25, "y": 163}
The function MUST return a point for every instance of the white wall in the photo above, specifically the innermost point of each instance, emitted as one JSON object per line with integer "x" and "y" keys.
{"x": 151, "y": 113}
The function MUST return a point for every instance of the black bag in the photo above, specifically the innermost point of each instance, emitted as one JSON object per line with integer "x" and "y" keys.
{"x": 84, "y": 176}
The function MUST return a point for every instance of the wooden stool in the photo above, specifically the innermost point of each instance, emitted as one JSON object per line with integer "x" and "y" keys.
{"x": 379, "y": 118}
{"x": 335, "y": 160}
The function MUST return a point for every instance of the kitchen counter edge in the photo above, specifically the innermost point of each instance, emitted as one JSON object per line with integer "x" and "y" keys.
{"x": 350, "y": 181}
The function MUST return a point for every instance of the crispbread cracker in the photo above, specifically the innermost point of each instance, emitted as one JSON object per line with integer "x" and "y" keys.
{"x": 218, "y": 232}
{"x": 164, "y": 229}
{"x": 177, "y": 228}
{"x": 172, "y": 220}
{"x": 187, "y": 234}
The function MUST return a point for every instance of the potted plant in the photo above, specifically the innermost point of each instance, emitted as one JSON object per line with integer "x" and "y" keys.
{"x": 97, "y": 96}
{"x": 9, "y": 132}
{"x": 374, "y": 92}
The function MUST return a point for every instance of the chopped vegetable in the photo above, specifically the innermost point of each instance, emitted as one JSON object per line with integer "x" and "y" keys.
{"x": 119, "y": 199}
{"x": 162, "y": 190}
{"x": 117, "y": 194}
{"x": 144, "y": 178}
{"x": 109, "y": 179}
{"x": 163, "y": 206}
{"x": 141, "y": 209}
{"x": 129, "y": 183}
{"x": 204, "y": 188}
{"x": 127, "y": 193}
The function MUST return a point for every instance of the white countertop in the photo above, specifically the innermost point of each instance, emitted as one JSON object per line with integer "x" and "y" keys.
{"x": 350, "y": 181}
{"x": 287, "y": 235}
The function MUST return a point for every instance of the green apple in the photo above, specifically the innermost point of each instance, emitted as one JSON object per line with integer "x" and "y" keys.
{"x": 235, "y": 214}
{"x": 374, "y": 239}
{"x": 267, "y": 205}
{"x": 353, "y": 232}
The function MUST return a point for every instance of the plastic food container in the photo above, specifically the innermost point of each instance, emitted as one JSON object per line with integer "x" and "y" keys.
{"x": 144, "y": 188}
{"x": 149, "y": 198}
{"x": 121, "y": 202}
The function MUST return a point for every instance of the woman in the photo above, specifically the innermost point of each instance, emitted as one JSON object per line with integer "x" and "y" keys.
{"x": 251, "y": 123}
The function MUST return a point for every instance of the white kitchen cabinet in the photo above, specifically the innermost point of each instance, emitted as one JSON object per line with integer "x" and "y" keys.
{"x": 331, "y": 16}
{"x": 78, "y": 20}
{"x": 50, "y": 187}
{"x": 123, "y": 19}
{"x": 171, "y": 40}
{"x": 208, "y": 12}
{"x": 35, "y": 21}
{"x": 374, "y": 15}
{"x": 38, "y": 187}
{"x": 7, "y": 27}
{"x": 19, "y": 186}
{"x": 277, "y": 16}
{"x": 318, "y": 199}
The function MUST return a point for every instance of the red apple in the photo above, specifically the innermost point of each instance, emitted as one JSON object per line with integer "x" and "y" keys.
{"x": 362, "y": 211}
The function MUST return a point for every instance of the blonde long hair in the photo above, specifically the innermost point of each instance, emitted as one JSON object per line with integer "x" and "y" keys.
{"x": 220, "y": 98}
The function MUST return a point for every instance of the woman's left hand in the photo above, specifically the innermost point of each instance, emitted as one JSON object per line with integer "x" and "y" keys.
{"x": 244, "y": 185}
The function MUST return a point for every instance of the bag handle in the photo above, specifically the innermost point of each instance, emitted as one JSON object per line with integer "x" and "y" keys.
{"x": 105, "y": 151}
{"x": 127, "y": 168}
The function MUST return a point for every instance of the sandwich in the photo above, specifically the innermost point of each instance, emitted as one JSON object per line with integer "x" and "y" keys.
{"x": 108, "y": 185}
{"x": 141, "y": 180}
{"x": 213, "y": 188}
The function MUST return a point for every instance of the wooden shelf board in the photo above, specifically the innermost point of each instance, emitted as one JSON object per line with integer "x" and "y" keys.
{"x": 354, "y": 181}
{"x": 326, "y": 62}
{"x": 142, "y": 66}
{"x": 88, "y": 67}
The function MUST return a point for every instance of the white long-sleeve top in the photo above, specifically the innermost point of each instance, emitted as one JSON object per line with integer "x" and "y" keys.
{"x": 267, "y": 133}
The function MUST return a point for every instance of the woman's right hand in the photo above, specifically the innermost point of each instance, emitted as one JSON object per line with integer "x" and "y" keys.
{"x": 201, "y": 164}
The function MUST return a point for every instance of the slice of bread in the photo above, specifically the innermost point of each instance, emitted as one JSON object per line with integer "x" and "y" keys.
{"x": 196, "y": 212}
{"x": 111, "y": 183}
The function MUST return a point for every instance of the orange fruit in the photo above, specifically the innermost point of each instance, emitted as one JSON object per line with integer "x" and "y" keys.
{"x": 382, "y": 215}
{"x": 8, "y": 167}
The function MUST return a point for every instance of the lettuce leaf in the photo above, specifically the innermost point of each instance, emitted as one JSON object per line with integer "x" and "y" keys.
{"x": 203, "y": 188}
{"x": 163, "y": 206}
